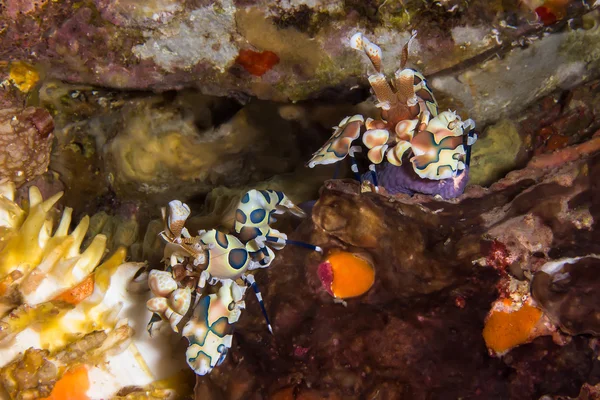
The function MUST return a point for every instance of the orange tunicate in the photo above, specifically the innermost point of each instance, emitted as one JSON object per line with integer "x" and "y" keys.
{"x": 72, "y": 386}
{"x": 78, "y": 293}
{"x": 257, "y": 63}
{"x": 504, "y": 329}
{"x": 352, "y": 275}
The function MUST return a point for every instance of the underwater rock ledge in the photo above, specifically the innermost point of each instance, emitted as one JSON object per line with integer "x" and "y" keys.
{"x": 230, "y": 46}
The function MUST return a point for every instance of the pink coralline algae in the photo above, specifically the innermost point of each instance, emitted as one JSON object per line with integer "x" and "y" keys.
{"x": 300, "y": 351}
{"x": 325, "y": 273}
{"x": 498, "y": 257}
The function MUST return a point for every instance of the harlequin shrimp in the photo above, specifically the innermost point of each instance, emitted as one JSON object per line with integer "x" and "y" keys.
{"x": 214, "y": 257}
{"x": 254, "y": 215}
{"x": 209, "y": 331}
{"x": 180, "y": 243}
{"x": 211, "y": 256}
{"x": 410, "y": 120}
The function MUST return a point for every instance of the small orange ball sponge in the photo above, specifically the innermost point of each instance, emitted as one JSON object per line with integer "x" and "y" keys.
{"x": 346, "y": 275}
{"x": 507, "y": 329}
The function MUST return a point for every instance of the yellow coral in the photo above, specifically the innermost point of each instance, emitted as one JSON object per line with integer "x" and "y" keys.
{"x": 64, "y": 307}
{"x": 32, "y": 255}
{"x": 11, "y": 215}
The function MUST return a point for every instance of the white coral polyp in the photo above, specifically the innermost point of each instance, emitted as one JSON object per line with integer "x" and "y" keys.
{"x": 43, "y": 267}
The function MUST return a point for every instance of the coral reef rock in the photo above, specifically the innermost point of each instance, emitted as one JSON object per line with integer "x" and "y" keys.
{"x": 160, "y": 147}
{"x": 25, "y": 143}
{"x": 561, "y": 119}
{"x": 296, "y": 49}
{"x": 566, "y": 290}
{"x": 161, "y": 153}
{"x": 439, "y": 267}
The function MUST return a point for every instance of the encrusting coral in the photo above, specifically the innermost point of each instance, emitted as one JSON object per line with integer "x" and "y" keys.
{"x": 69, "y": 320}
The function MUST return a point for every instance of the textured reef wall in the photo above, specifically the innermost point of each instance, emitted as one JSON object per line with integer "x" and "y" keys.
{"x": 126, "y": 105}
{"x": 494, "y": 61}
{"x": 242, "y": 47}
{"x": 165, "y": 146}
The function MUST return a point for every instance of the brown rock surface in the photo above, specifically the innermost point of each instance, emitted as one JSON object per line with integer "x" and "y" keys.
{"x": 418, "y": 332}
{"x": 25, "y": 143}
{"x": 569, "y": 295}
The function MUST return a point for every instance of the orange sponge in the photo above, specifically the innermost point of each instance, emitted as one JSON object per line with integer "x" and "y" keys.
{"x": 346, "y": 275}
{"x": 72, "y": 386}
{"x": 505, "y": 328}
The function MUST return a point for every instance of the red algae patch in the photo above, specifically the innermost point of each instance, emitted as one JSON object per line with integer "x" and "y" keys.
{"x": 345, "y": 275}
{"x": 552, "y": 11}
{"x": 325, "y": 272}
{"x": 257, "y": 63}
{"x": 546, "y": 15}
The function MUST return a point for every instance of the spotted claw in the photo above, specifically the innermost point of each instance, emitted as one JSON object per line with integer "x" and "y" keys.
{"x": 338, "y": 146}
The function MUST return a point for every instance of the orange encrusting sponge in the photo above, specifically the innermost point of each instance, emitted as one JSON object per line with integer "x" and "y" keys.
{"x": 257, "y": 63}
{"x": 352, "y": 275}
{"x": 73, "y": 385}
{"x": 504, "y": 330}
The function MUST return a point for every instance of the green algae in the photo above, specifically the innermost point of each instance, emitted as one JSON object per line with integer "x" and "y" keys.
{"x": 495, "y": 154}
{"x": 582, "y": 44}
